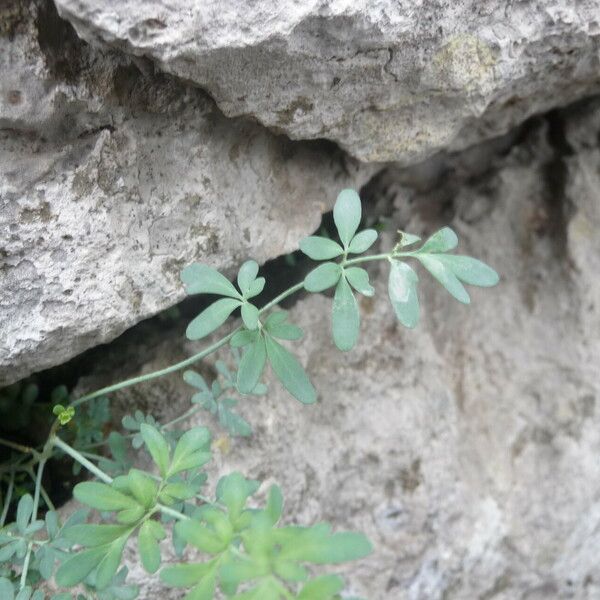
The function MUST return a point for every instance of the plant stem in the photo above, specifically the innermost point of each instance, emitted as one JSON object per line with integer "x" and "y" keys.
{"x": 91, "y": 467}
{"x": 15, "y": 446}
{"x": 9, "y": 492}
{"x": 172, "y": 512}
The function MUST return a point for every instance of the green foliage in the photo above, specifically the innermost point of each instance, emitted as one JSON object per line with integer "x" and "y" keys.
{"x": 246, "y": 553}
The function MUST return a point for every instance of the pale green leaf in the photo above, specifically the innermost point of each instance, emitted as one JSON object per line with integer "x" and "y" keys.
{"x": 321, "y": 588}
{"x": 346, "y": 317}
{"x": 290, "y": 372}
{"x": 202, "y": 279}
{"x": 441, "y": 241}
{"x": 256, "y": 287}
{"x": 285, "y": 331}
{"x": 346, "y": 215}
{"x": 233, "y": 490}
{"x": 251, "y": 366}
{"x": 362, "y": 241}
{"x": 243, "y": 338}
{"x": 186, "y": 575}
{"x": 211, "y": 318}
{"x": 91, "y": 535}
{"x": 110, "y": 563}
{"x": 200, "y": 537}
{"x": 156, "y": 444}
{"x": 148, "y": 548}
{"x": 402, "y": 290}
{"x": 470, "y": 270}
{"x": 445, "y": 276}
{"x": 78, "y": 566}
{"x": 246, "y": 275}
{"x": 358, "y": 278}
{"x": 192, "y": 450}
{"x": 250, "y": 315}
{"x": 320, "y": 248}
{"x": 274, "y": 506}
{"x": 322, "y": 277}
{"x": 6, "y": 589}
{"x": 102, "y": 497}
{"x": 408, "y": 239}
{"x": 143, "y": 488}
{"x": 24, "y": 512}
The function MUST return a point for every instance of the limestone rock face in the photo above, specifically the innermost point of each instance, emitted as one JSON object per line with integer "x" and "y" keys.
{"x": 112, "y": 179}
{"x": 467, "y": 448}
{"x": 387, "y": 80}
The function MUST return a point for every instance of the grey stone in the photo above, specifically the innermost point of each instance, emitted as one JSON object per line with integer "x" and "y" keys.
{"x": 387, "y": 80}
{"x": 112, "y": 180}
{"x": 467, "y": 448}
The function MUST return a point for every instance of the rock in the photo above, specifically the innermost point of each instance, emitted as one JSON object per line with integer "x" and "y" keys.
{"x": 467, "y": 448}
{"x": 111, "y": 180}
{"x": 394, "y": 80}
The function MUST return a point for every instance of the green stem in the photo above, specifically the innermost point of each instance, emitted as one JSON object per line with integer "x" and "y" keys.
{"x": 9, "y": 493}
{"x": 91, "y": 467}
{"x": 172, "y": 512}
{"x": 18, "y": 447}
{"x": 43, "y": 492}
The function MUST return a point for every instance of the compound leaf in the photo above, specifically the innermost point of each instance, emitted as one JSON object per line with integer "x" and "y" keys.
{"x": 320, "y": 248}
{"x": 290, "y": 372}
{"x": 202, "y": 279}
{"x": 211, "y": 318}
{"x": 346, "y": 316}
{"x": 322, "y": 277}
{"x": 402, "y": 290}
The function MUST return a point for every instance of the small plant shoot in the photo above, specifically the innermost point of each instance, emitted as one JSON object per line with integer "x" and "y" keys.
{"x": 228, "y": 545}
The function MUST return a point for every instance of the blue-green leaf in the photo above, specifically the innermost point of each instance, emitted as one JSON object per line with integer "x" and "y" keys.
{"x": 256, "y": 287}
{"x": 402, "y": 290}
{"x": 346, "y": 317}
{"x": 346, "y": 215}
{"x": 92, "y": 535}
{"x": 76, "y": 568}
{"x": 358, "y": 278}
{"x": 148, "y": 547}
{"x": 320, "y": 248}
{"x": 102, "y": 497}
{"x": 322, "y": 277}
{"x": 24, "y": 512}
{"x": 251, "y": 366}
{"x": 202, "y": 279}
{"x": 470, "y": 270}
{"x": 243, "y": 338}
{"x": 441, "y": 241}
{"x": 362, "y": 241}
{"x": 290, "y": 372}
{"x": 211, "y": 318}
{"x": 445, "y": 276}
{"x": 192, "y": 451}
{"x": 110, "y": 563}
{"x": 250, "y": 315}
{"x": 246, "y": 275}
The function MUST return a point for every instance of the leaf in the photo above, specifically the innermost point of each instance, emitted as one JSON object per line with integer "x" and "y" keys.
{"x": 256, "y": 288}
{"x": 250, "y": 315}
{"x": 470, "y": 270}
{"x": 290, "y": 372}
{"x": 407, "y": 239}
{"x": 148, "y": 548}
{"x": 243, "y": 338}
{"x": 246, "y": 275}
{"x": 157, "y": 445}
{"x": 320, "y": 248}
{"x": 7, "y": 591}
{"x": 92, "y": 535}
{"x": 233, "y": 491}
{"x": 176, "y": 491}
{"x": 441, "y": 241}
{"x": 24, "y": 512}
{"x": 445, "y": 276}
{"x": 102, "y": 497}
{"x": 286, "y": 331}
{"x": 362, "y": 241}
{"x": 274, "y": 506}
{"x": 346, "y": 317}
{"x": 211, "y": 318}
{"x": 321, "y": 588}
{"x": 251, "y": 366}
{"x": 200, "y": 536}
{"x": 142, "y": 487}
{"x": 195, "y": 380}
{"x": 202, "y": 279}
{"x": 402, "y": 290}
{"x": 110, "y": 563}
{"x": 323, "y": 277}
{"x": 191, "y": 451}
{"x": 358, "y": 278}
{"x": 318, "y": 545}
{"x": 346, "y": 215}
{"x": 76, "y": 568}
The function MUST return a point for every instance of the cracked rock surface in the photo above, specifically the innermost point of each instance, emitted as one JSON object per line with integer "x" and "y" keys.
{"x": 112, "y": 178}
{"x": 466, "y": 449}
{"x": 387, "y": 80}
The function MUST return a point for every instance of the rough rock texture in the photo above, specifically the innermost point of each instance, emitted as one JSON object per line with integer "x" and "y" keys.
{"x": 387, "y": 80}
{"x": 466, "y": 449}
{"x": 111, "y": 179}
